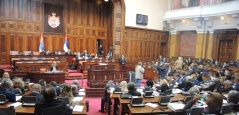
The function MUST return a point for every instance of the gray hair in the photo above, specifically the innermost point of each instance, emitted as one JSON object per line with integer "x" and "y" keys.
{"x": 193, "y": 90}
{"x": 140, "y": 63}
{"x": 75, "y": 82}
{"x": 6, "y": 83}
{"x": 36, "y": 87}
{"x": 233, "y": 96}
{"x": 228, "y": 82}
{"x": 131, "y": 86}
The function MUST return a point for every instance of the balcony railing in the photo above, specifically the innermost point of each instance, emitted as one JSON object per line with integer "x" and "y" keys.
{"x": 178, "y": 4}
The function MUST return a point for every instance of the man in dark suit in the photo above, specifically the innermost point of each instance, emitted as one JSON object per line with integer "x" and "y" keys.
{"x": 4, "y": 89}
{"x": 131, "y": 89}
{"x": 100, "y": 51}
{"x": 58, "y": 89}
{"x": 36, "y": 91}
{"x": 122, "y": 60}
{"x": 50, "y": 101}
{"x": 161, "y": 70}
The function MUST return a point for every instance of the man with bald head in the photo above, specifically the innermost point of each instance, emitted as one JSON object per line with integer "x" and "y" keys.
{"x": 50, "y": 101}
{"x": 36, "y": 91}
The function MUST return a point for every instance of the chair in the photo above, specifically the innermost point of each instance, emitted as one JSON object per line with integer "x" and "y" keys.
{"x": 227, "y": 108}
{"x": 137, "y": 102}
{"x": 56, "y": 110}
{"x": 7, "y": 111}
{"x": 16, "y": 91}
{"x": 196, "y": 111}
{"x": 42, "y": 70}
{"x": 3, "y": 99}
{"x": 65, "y": 99}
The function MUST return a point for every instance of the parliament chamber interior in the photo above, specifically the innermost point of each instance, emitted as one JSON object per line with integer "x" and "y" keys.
{"x": 119, "y": 57}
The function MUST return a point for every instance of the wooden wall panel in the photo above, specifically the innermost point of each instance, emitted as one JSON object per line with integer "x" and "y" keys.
{"x": 188, "y": 43}
{"x": 143, "y": 44}
{"x": 85, "y": 22}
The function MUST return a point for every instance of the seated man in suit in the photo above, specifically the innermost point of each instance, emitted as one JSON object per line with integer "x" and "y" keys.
{"x": 5, "y": 89}
{"x": 36, "y": 91}
{"x": 49, "y": 100}
{"x": 131, "y": 89}
{"x": 122, "y": 60}
{"x": 233, "y": 98}
{"x": 54, "y": 66}
{"x": 42, "y": 82}
{"x": 58, "y": 89}
{"x": 236, "y": 81}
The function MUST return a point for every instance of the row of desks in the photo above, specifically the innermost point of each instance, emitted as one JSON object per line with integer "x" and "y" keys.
{"x": 23, "y": 110}
{"x": 147, "y": 109}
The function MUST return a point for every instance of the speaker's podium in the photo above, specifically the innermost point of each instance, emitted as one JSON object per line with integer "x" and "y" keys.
{"x": 132, "y": 77}
{"x": 58, "y": 77}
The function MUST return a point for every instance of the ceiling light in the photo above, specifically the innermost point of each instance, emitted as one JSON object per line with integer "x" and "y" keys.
{"x": 183, "y": 21}
{"x": 222, "y": 17}
{"x": 106, "y": 0}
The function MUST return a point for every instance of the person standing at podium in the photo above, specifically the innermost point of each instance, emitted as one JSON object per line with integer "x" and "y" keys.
{"x": 139, "y": 73}
{"x": 54, "y": 66}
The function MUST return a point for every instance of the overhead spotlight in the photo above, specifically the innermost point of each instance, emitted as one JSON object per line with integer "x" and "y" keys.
{"x": 222, "y": 17}
{"x": 106, "y": 0}
{"x": 183, "y": 21}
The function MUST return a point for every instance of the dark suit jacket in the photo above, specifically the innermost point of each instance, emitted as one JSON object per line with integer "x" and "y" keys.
{"x": 51, "y": 68}
{"x": 122, "y": 61}
{"x": 10, "y": 96}
{"x": 134, "y": 93}
{"x": 37, "y": 95}
{"x": 39, "y": 107}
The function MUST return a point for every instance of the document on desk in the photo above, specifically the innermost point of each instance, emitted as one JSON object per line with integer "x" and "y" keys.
{"x": 77, "y": 99}
{"x": 81, "y": 90}
{"x": 82, "y": 93}
{"x": 78, "y": 108}
{"x": 152, "y": 105}
{"x": 18, "y": 98}
{"x": 16, "y": 104}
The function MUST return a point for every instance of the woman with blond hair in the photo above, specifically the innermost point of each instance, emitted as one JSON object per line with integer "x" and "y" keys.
{"x": 123, "y": 86}
{"x": 67, "y": 92}
{"x": 164, "y": 85}
{"x": 54, "y": 66}
{"x": 5, "y": 76}
{"x": 18, "y": 86}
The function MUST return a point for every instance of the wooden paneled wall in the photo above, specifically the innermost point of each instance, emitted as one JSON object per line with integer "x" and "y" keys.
{"x": 187, "y": 43}
{"x": 144, "y": 44}
{"x": 85, "y": 21}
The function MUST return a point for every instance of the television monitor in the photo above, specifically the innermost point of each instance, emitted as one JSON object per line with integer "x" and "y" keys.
{"x": 141, "y": 19}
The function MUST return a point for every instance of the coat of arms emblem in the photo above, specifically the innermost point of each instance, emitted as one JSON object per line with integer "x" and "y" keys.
{"x": 53, "y": 21}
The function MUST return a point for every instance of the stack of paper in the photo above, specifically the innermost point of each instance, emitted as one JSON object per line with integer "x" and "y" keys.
{"x": 15, "y": 104}
{"x": 82, "y": 93}
{"x": 152, "y": 105}
{"x": 176, "y": 91}
{"x": 78, "y": 108}
{"x": 176, "y": 107}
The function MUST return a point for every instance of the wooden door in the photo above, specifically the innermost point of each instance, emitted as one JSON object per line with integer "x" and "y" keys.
{"x": 164, "y": 49}
{"x": 226, "y": 50}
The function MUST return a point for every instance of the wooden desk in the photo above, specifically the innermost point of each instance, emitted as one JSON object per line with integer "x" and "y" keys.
{"x": 135, "y": 111}
{"x": 58, "y": 77}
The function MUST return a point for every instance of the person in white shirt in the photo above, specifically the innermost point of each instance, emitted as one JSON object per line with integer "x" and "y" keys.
{"x": 139, "y": 73}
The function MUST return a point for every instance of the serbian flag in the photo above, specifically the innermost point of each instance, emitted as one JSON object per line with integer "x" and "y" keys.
{"x": 41, "y": 46}
{"x": 66, "y": 47}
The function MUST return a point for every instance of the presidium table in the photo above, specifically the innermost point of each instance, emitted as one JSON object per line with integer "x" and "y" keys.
{"x": 58, "y": 77}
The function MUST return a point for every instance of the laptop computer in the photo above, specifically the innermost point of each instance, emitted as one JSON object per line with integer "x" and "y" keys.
{"x": 137, "y": 102}
{"x": 3, "y": 99}
{"x": 29, "y": 101}
{"x": 164, "y": 100}
{"x": 117, "y": 91}
{"x": 148, "y": 94}
{"x": 125, "y": 96}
